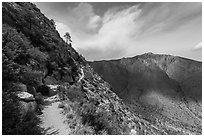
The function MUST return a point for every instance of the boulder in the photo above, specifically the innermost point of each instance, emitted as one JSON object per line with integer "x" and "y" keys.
{"x": 25, "y": 96}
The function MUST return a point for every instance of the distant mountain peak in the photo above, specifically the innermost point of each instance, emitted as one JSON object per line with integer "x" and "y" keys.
{"x": 158, "y": 83}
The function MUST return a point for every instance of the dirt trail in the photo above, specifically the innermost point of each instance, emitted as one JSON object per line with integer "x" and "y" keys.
{"x": 82, "y": 75}
{"x": 52, "y": 120}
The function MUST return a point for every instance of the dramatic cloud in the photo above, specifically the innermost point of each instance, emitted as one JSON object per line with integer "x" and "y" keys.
{"x": 82, "y": 18}
{"x": 198, "y": 46}
{"x": 168, "y": 16}
{"x": 116, "y": 32}
{"x": 130, "y": 30}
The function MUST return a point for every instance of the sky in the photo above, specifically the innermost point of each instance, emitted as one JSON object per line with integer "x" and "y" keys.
{"x": 112, "y": 30}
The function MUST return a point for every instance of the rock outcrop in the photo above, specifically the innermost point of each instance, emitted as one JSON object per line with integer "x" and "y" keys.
{"x": 25, "y": 96}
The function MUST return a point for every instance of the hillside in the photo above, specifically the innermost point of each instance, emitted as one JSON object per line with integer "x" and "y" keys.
{"x": 161, "y": 88}
{"x": 48, "y": 88}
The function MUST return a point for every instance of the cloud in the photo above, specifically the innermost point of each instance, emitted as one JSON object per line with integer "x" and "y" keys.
{"x": 114, "y": 35}
{"x": 82, "y": 18}
{"x": 120, "y": 29}
{"x": 166, "y": 16}
{"x": 197, "y": 47}
{"x": 93, "y": 22}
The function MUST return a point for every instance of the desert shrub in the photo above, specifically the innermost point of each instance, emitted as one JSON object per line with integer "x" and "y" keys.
{"x": 72, "y": 93}
{"x": 32, "y": 78}
{"x": 28, "y": 126}
{"x": 102, "y": 122}
{"x": 9, "y": 70}
{"x": 37, "y": 54}
{"x": 14, "y": 40}
{"x": 10, "y": 111}
{"x": 81, "y": 129}
{"x": 90, "y": 114}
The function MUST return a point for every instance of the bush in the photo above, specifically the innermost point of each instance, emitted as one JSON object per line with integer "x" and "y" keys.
{"x": 81, "y": 129}
{"x": 32, "y": 78}
{"x": 28, "y": 126}
{"x": 10, "y": 111}
{"x": 102, "y": 122}
{"x": 37, "y": 54}
{"x": 72, "y": 93}
{"x": 13, "y": 40}
{"x": 12, "y": 121}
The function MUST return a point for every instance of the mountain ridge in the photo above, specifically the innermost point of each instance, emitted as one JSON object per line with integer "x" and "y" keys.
{"x": 146, "y": 54}
{"x": 155, "y": 80}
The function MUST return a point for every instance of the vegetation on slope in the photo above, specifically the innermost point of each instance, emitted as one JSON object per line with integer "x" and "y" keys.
{"x": 161, "y": 88}
{"x": 34, "y": 56}
{"x": 32, "y": 52}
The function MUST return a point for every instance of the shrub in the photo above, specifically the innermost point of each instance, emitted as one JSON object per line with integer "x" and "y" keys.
{"x": 28, "y": 126}
{"x": 37, "y": 54}
{"x": 10, "y": 111}
{"x": 13, "y": 40}
{"x": 94, "y": 119}
{"x": 81, "y": 129}
{"x": 73, "y": 93}
{"x": 32, "y": 78}
{"x": 12, "y": 121}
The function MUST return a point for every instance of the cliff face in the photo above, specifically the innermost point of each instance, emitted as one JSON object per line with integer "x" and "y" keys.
{"x": 159, "y": 87}
{"x": 34, "y": 58}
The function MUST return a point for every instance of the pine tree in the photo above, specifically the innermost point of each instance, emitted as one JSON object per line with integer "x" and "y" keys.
{"x": 67, "y": 37}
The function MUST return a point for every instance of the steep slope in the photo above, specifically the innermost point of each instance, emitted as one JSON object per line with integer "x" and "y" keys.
{"x": 34, "y": 58}
{"x": 157, "y": 86}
